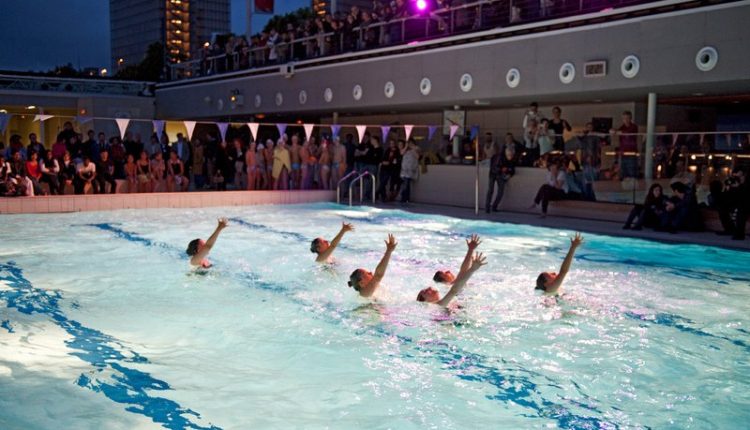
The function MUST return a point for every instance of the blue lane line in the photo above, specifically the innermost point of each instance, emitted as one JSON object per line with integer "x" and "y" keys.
{"x": 467, "y": 366}
{"x": 129, "y": 386}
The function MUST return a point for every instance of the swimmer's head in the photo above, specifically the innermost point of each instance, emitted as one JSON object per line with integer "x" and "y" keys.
{"x": 194, "y": 246}
{"x": 319, "y": 245}
{"x": 444, "y": 277}
{"x": 544, "y": 280}
{"x": 429, "y": 295}
{"x": 358, "y": 278}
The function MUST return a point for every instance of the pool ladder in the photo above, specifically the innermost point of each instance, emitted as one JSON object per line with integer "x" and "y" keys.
{"x": 361, "y": 186}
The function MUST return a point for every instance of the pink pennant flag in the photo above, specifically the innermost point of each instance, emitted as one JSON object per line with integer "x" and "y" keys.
{"x": 361, "y": 132}
{"x": 189, "y": 126}
{"x": 223, "y": 130}
{"x": 42, "y": 117}
{"x": 407, "y": 130}
{"x": 253, "y": 129}
{"x": 454, "y": 129}
{"x": 431, "y": 131}
{"x": 158, "y": 127}
{"x": 122, "y": 124}
{"x": 308, "y": 130}
{"x": 385, "y": 129}
{"x": 282, "y": 129}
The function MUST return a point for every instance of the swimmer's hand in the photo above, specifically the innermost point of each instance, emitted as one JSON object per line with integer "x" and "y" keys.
{"x": 477, "y": 261}
{"x": 473, "y": 242}
{"x": 223, "y": 223}
{"x": 346, "y": 227}
{"x": 576, "y": 240}
{"x": 391, "y": 243}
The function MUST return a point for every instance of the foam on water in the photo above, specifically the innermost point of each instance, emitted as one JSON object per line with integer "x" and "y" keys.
{"x": 649, "y": 335}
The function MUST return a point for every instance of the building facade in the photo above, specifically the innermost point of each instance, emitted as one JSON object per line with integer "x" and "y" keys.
{"x": 322, "y": 7}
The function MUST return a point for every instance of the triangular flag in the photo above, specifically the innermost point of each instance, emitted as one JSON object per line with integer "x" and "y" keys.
{"x": 407, "y": 130}
{"x": 454, "y": 129}
{"x": 189, "y": 126}
{"x": 83, "y": 119}
{"x": 361, "y": 132}
{"x": 385, "y": 129}
{"x": 474, "y": 132}
{"x": 308, "y": 130}
{"x": 42, "y": 117}
{"x": 282, "y": 129}
{"x": 335, "y": 130}
{"x": 122, "y": 124}
{"x": 431, "y": 131}
{"x": 4, "y": 120}
{"x": 158, "y": 127}
{"x": 223, "y": 130}
{"x": 253, "y": 129}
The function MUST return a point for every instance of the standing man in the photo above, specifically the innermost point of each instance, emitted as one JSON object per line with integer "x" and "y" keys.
{"x": 502, "y": 168}
{"x": 628, "y": 149}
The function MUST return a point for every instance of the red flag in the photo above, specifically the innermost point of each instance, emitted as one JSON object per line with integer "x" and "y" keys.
{"x": 263, "y": 6}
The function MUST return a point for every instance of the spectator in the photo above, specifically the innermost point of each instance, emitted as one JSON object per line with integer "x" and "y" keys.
{"x": 218, "y": 180}
{"x": 325, "y": 166}
{"x": 294, "y": 154}
{"x": 101, "y": 145}
{"x": 409, "y": 169}
{"x": 681, "y": 210}
{"x": 34, "y": 172}
{"x": 158, "y": 172}
{"x": 131, "y": 175}
{"x": 260, "y": 173}
{"x": 308, "y": 165}
{"x": 198, "y": 164}
{"x": 51, "y": 173}
{"x": 628, "y": 146}
{"x": 502, "y": 168}
{"x": 89, "y": 145}
{"x": 118, "y": 154}
{"x": 237, "y": 159}
{"x": 589, "y": 175}
{"x": 371, "y": 162}
{"x": 558, "y": 126}
{"x": 58, "y": 149}
{"x": 531, "y": 142}
{"x": 338, "y": 165}
{"x": 544, "y": 138}
{"x": 489, "y": 148}
{"x": 105, "y": 173}
{"x": 390, "y": 169}
{"x": 68, "y": 171}
{"x": 554, "y": 188}
{"x": 153, "y": 146}
{"x": 649, "y": 213}
{"x": 589, "y": 144}
{"x": 281, "y": 166}
{"x": 269, "y": 153}
{"x": 181, "y": 147}
{"x": 176, "y": 178}
{"x": 132, "y": 146}
{"x": 532, "y": 114}
{"x": 143, "y": 171}
{"x": 252, "y": 165}
{"x": 85, "y": 175}
{"x": 517, "y": 146}
{"x": 734, "y": 205}
{"x": 35, "y": 146}
{"x": 682, "y": 174}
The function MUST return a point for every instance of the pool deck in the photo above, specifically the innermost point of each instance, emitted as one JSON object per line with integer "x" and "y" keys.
{"x": 609, "y": 228}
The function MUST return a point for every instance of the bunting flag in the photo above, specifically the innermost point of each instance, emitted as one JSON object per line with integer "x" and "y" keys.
{"x": 454, "y": 129}
{"x": 385, "y": 129}
{"x": 308, "y": 130}
{"x": 83, "y": 119}
{"x": 122, "y": 124}
{"x": 159, "y": 127}
{"x": 675, "y": 136}
{"x": 474, "y": 132}
{"x": 431, "y": 131}
{"x": 189, "y": 126}
{"x": 223, "y": 130}
{"x": 335, "y": 130}
{"x": 42, "y": 117}
{"x": 4, "y": 120}
{"x": 407, "y": 130}
{"x": 282, "y": 129}
{"x": 253, "y": 129}
{"x": 361, "y": 132}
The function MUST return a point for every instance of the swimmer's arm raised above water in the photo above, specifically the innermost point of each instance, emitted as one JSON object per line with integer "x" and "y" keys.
{"x": 323, "y": 256}
{"x": 205, "y": 249}
{"x": 471, "y": 244}
{"x": 477, "y": 261}
{"x": 369, "y": 289}
{"x": 575, "y": 242}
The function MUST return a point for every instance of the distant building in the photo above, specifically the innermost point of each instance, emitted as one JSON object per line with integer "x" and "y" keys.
{"x": 182, "y": 26}
{"x": 322, "y": 7}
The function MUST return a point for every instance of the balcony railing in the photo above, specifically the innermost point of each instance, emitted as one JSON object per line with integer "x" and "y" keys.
{"x": 72, "y": 85}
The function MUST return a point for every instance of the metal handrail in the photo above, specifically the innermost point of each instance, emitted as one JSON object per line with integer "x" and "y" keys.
{"x": 338, "y": 185}
{"x": 361, "y": 187}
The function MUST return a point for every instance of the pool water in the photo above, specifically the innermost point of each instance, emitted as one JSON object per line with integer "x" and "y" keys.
{"x": 102, "y": 326}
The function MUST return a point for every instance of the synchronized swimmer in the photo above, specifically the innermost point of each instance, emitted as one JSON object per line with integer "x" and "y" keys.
{"x": 366, "y": 283}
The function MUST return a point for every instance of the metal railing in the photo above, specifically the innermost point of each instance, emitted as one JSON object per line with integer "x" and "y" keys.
{"x": 73, "y": 85}
{"x": 338, "y": 186}
{"x": 360, "y": 179}
{"x": 467, "y": 18}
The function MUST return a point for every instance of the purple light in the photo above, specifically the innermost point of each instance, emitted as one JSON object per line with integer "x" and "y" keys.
{"x": 421, "y": 5}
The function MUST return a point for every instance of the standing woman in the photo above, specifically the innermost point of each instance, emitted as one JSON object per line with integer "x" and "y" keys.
{"x": 252, "y": 167}
{"x": 282, "y": 165}
{"x": 325, "y": 166}
{"x": 558, "y": 126}
{"x": 409, "y": 169}
{"x": 143, "y": 170}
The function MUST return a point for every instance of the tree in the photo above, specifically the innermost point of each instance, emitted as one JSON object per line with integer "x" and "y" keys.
{"x": 296, "y": 18}
{"x": 150, "y": 69}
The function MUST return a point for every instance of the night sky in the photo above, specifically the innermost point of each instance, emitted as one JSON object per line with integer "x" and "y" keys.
{"x": 37, "y": 35}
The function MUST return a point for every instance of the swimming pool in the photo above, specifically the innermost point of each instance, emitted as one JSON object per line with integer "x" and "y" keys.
{"x": 103, "y": 326}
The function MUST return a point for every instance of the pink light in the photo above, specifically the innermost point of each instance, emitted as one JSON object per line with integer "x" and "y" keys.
{"x": 421, "y": 4}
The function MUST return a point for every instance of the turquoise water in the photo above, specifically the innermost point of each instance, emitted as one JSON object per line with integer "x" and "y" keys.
{"x": 103, "y": 326}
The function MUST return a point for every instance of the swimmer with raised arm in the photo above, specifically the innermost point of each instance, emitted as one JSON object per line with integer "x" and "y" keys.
{"x": 324, "y": 249}
{"x": 550, "y": 282}
{"x": 432, "y": 295}
{"x": 445, "y": 276}
{"x": 198, "y": 249}
{"x": 365, "y": 282}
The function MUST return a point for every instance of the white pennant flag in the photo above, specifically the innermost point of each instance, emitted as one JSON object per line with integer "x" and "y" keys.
{"x": 407, "y": 130}
{"x": 454, "y": 129}
{"x": 223, "y": 130}
{"x": 308, "y": 130}
{"x": 253, "y": 129}
{"x": 158, "y": 127}
{"x": 361, "y": 132}
{"x": 122, "y": 124}
{"x": 42, "y": 117}
{"x": 189, "y": 126}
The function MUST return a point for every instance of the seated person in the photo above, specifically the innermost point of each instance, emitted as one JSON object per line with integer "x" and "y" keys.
{"x": 550, "y": 282}
{"x": 198, "y": 249}
{"x": 432, "y": 295}
{"x": 649, "y": 213}
{"x": 445, "y": 276}
{"x": 554, "y": 188}
{"x": 680, "y": 211}
{"x": 324, "y": 249}
{"x": 365, "y": 282}
{"x": 734, "y": 200}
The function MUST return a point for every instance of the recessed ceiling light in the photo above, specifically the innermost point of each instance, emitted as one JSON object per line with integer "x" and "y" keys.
{"x": 30, "y": 107}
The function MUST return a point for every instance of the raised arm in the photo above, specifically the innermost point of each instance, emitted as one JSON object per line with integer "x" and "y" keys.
{"x": 471, "y": 244}
{"x": 205, "y": 249}
{"x": 575, "y": 242}
{"x": 369, "y": 289}
{"x": 323, "y": 256}
{"x": 476, "y": 262}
